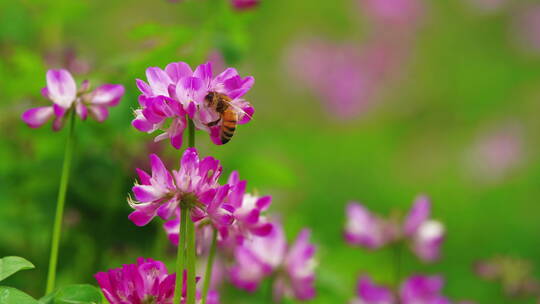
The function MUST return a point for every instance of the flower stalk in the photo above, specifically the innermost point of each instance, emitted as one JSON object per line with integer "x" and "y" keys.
{"x": 57, "y": 228}
{"x": 209, "y": 266}
{"x": 185, "y": 259}
{"x": 181, "y": 255}
{"x": 191, "y": 288}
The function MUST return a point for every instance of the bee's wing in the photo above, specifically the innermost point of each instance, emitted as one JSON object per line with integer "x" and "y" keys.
{"x": 237, "y": 108}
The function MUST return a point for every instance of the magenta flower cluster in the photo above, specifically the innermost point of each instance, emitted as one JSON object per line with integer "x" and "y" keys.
{"x": 417, "y": 289}
{"x": 177, "y": 93}
{"x": 424, "y": 235}
{"x": 256, "y": 245}
{"x": 146, "y": 282}
{"x": 62, "y": 91}
{"x": 292, "y": 266}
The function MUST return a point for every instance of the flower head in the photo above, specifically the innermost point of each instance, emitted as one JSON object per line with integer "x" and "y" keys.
{"x": 365, "y": 229}
{"x": 177, "y": 91}
{"x": 293, "y": 266}
{"x": 417, "y": 289}
{"x": 195, "y": 184}
{"x": 147, "y": 281}
{"x": 248, "y": 210}
{"x": 370, "y": 293}
{"x": 62, "y": 91}
{"x": 424, "y": 235}
{"x": 423, "y": 290}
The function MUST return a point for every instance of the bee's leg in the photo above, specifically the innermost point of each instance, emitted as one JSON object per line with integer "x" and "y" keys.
{"x": 213, "y": 123}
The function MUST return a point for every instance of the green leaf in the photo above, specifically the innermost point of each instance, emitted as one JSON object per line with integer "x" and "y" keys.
{"x": 48, "y": 299}
{"x": 78, "y": 294}
{"x": 12, "y": 264}
{"x": 10, "y": 295}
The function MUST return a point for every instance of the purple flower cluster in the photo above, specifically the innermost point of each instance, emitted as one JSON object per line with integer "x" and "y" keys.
{"x": 146, "y": 282}
{"x": 245, "y": 215}
{"x": 416, "y": 289}
{"x": 291, "y": 266}
{"x": 257, "y": 246}
{"x": 424, "y": 235}
{"x": 194, "y": 184}
{"x": 62, "y": 91}
{"x": 178, "y": 92}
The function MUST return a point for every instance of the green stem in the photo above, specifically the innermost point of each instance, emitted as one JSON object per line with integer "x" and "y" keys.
{"x": 181, "y": 255}
{"x": 186, "y": 235}
{"x": 209, "y": 266}
{"x": 191, "y": 287}
{"x": 190, "y": 227}
{"x": 57, "y": 228}
{"x": 191, "y": 132}
{"x": 397, "y": 264}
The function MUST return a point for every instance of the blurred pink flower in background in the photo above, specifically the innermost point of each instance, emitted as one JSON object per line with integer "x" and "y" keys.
{"x": 244, "y": 4}
{"x": 68, "y": 59}
{"x": 292, "y": 265}
{"x": 399, "y": 14}
{"x": 346, "y": 77}
{"x": 350, "y": 77}
{"x": 525, "y": 28}
{"x": 495, "y": 153}
{"x": 422, "y": 234}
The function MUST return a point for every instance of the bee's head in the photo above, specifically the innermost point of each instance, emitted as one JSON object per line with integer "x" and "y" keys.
{"x": 210, "y": 97}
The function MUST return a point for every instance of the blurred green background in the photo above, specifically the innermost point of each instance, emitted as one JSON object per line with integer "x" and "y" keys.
{"x": 455, "y": 116}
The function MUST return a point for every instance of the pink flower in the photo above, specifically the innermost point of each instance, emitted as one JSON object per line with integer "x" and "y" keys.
{"x": 260, "y": 257}
{"x": 497, "y": 153}
{"x": 423, "y": 290}
{"x": 416, "y": 289}
{"x": 248, "y": 211}
{"x": 235, "y": 214}
{"x": 370, "y": 293}
{"x": 147, "y": 281}
{"x": 365, "y": 229}
{"x": 424, "y": 235}
{"x": 177, "y": 91}
{"x": 244, "y": 4}
{"x": 228, "y": 84}
{"x": 194, "y": 184}
{"x": 399, "y": 14}
{"x": 62, "y": 91}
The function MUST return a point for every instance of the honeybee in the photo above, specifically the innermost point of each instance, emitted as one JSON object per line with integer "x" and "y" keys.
{"x": 228, "y": 114}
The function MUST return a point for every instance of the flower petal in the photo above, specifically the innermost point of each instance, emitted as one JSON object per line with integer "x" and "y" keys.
{"x": 61, "y": 87}
{"x": 158, "y": 80}
{"x": 36, "y": 117}
{"x": 108, "y": 94}
{"x": 100, "y": 113}
{"x": 178, "y": 70}
{"x": 81, "y": 110}
{"x": 419, "y": 213}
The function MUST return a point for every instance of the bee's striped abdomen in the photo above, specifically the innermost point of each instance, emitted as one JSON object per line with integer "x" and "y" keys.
{"x": 228, "y": 126}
